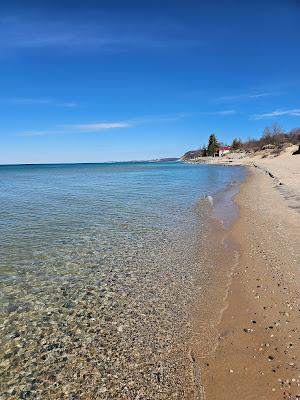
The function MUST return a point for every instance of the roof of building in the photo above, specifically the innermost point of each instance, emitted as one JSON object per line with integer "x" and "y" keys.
{"x": 225, "y": 148}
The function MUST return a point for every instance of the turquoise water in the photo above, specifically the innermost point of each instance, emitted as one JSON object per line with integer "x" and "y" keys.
{"x": 98, "y": 265}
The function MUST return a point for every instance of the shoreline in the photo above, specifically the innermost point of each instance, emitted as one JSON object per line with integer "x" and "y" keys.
{"x": 217, "y": 264}
{"x": 221, "y": 259}
{"x": 256, "y": 354}
{"x": 284, "y": 169}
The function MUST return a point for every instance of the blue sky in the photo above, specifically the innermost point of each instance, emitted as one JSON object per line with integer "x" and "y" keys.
{"x": 96, "y": 81}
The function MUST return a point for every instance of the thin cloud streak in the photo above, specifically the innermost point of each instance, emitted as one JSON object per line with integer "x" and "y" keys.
{"x": 78, "y": 128}
{"x": 40, "y": 133}
{"x": 295, "y": 112}
{"x": 250, "y": 96}
{"x": 226, "y": 112}
{"x": 178, "y": 116}
{"x": 104, "y": 126}
{"x": 28, "y": 101}
{"x": 106, "y": 42}
{"x": 160, "y": 118}
{"x": 29, "y": 34}
{"x": 220, "y": 113}
{"x": 98, "y": 126}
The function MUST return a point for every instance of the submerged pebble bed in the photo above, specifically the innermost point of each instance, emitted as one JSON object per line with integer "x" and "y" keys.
{"x": 100, "y": 309}
{"x": 118, "y": 329}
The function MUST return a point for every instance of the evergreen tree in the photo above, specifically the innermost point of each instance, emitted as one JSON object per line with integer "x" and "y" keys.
{"x": 212, "y": 145}
{"x": 236, "y": 144}
{"x": 203, "y": 151}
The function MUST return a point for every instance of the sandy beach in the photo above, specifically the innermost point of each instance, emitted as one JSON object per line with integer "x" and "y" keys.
{"x": 257, "y": 356}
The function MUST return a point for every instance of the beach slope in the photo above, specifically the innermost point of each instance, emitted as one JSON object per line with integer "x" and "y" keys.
{"x": 258, "y": 350}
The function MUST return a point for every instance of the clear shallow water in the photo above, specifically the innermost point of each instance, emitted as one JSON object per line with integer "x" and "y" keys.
{"x": 98, "y": 266}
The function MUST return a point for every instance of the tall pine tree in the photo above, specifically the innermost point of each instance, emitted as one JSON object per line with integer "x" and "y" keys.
{"x": 213, "y": 145}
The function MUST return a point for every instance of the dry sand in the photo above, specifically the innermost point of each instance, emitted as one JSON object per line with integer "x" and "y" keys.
{"x": 258, "y": 350}
{"x": 284, "y": 169}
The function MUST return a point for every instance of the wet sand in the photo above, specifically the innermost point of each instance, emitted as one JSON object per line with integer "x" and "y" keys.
{"x": 258, "y": 343}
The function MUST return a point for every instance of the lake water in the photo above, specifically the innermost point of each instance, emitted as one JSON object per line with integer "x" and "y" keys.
{"x": 99, "y": 265}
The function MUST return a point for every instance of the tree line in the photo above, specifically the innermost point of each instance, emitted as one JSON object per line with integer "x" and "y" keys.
{"x": 273, "y": 137}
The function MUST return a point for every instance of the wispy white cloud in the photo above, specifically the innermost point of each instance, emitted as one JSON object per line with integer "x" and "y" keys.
{"x": 98, "y": 126}
{"x": 177, "y": 116}
{"x": 246, "y": 96}
{"x": 39, "y": 133}
{"x": 225, "y": 112}
{"x": 160, "y": 118}
{"x": 78, "y": 128}
{"x": 70, "y": 104}
{"x": 220, "y": 113}
{"x": 28, "y": 32}
{"x": 25, "y": 101}
{"x": 129, "y": 123}
{"x": 278, "y": 113}
{"x": 104, "y": 41}
{"x": 28, "y": 101}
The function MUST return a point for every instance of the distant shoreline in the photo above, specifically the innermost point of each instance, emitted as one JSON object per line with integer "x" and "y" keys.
{"x": 91, "y": 163}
